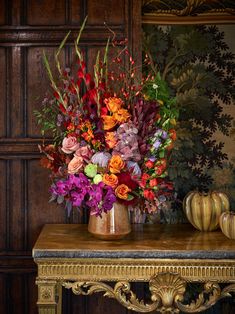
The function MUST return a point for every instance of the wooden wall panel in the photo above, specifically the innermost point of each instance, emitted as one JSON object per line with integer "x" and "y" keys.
{"x": 16, "y": 211}
{"x": 16, "y": 97}
{"x": 32, "y": 291}
{"x": 40, "y": 211}
{"x": 27, "y": 27}
{"x": 112, "y": 12}
{"x": 76, "y": 12}
{"x": 3, "y": 91}
{"x": 46, "y": 12}
{"x": 2, "y": 12}
{"x": 3, "y": 205}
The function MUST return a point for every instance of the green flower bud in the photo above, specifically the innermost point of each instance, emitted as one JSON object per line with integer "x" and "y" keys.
{"x": 90, "y": 170}
{"x": 97, "y": 178}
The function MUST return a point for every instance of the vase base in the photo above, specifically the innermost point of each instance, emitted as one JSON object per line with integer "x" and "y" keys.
{"x": 109, "y": 237}
{"x": 113, "y": 225}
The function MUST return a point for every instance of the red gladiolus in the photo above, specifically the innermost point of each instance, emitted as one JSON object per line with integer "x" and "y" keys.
{"x": 103, "y": 111}
{"x": 57, "y": 96}
{"x": 62, "y": 108}
{"x": 80, "y": 73}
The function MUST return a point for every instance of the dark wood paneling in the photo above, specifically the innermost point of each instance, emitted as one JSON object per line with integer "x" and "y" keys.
{"x": 27, "y": 28}
{"x": 17, "y": 89}
{"x": 2, "y": 12}
{"x": 112, "y": 12}
{"x": 17, "y": 214}
{"x": 46, "y": 12}
{"x": 3, "y": 91}
{"x": 76, "y": 11}
{"x": 3, "y": 204}
{"x": 39, "y": 211}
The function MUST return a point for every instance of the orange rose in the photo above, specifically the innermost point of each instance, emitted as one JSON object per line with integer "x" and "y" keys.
{"x": 122, "y": 191}
{"x": 110, "y": 179}
{"x": 122, "y": 115}
{"x": 113, "y": 103}
{"x": 116, "y": 164}
{"x": 109, "y": 122}
{"x": 110, "y": 139}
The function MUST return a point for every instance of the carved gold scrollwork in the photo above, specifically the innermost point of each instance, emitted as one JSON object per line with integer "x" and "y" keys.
{"x": 167, "y": 289}
{"x": 167, "y": 294}
{"x": 187, "y": 7}
{"x": 214, "y": 294}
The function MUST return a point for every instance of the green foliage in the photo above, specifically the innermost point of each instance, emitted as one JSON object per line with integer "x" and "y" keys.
{"x": 158, "y": 89}
{"x": 46, "y": 119}
{"x": 199, "y": 69}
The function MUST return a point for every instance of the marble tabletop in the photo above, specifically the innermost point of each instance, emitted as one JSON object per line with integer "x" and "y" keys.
{"x": 145, "y": 241}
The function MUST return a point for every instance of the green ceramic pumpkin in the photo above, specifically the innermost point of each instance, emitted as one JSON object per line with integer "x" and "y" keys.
{"x": 203, "y": 210}
{"x": 227, "y": 224}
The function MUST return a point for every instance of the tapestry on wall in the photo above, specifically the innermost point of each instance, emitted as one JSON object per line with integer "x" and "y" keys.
{"x": 199, "y": 66}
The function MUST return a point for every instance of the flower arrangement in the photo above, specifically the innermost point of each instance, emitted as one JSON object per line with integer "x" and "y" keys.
{"x": 112, "y": 134}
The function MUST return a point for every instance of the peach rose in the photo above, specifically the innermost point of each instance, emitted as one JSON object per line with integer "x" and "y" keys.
{"x": 109, "y": 122}
{"x": 75, "y": 165}
{"x": 122, "y": 115}
{"x": 113, "y": 103}
{"x": 122, "y": 191}
{"x": 110, "y": 179}
{"x": 110, "y": 139}
{"x": 69, "y": 145}
{"x": 116, "y": 164}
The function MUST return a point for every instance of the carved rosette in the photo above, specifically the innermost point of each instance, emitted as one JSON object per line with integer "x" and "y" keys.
{"x": 167, "y": 294}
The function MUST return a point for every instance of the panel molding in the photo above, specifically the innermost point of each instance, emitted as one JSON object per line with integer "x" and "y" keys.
{"x": 13, "y": 263}
{"x": 21, "y": 147}
{"x": 53, "y": 35}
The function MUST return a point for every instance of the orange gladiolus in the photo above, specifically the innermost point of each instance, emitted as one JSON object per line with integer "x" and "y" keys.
{"x": 110, "y": 179}
{"x": 122, "y": 191}
{"x": 116, "y": 164}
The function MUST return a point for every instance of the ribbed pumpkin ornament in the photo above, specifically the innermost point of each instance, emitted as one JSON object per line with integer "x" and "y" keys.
{"x": 227, "y": 224}
{"x": 204, "y": 209}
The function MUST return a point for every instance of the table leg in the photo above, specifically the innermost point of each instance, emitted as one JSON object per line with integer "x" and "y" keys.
{"x": 49, "y": 296}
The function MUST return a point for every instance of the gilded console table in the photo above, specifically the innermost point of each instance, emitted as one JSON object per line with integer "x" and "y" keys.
{"x": 165, "y": 256}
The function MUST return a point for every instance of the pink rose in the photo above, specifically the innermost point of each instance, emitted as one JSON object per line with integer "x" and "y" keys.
{"x": 84, "y": 152}
{"x": 75, "y": 165}
{"x": 70, "y": 145}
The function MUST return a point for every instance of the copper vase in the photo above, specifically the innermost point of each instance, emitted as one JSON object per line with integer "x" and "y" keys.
{"x": 113, "y": 225}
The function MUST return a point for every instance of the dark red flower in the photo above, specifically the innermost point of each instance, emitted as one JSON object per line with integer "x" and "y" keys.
{"x": 125, "y": 178}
